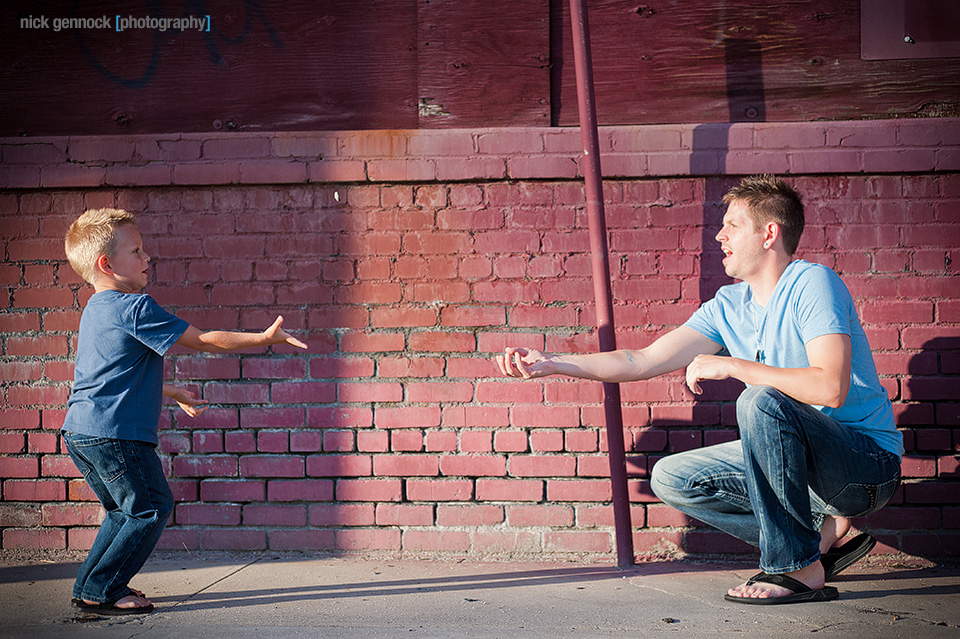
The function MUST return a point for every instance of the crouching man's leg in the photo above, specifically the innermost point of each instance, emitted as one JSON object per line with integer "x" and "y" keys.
{"x": 774, "y": 489}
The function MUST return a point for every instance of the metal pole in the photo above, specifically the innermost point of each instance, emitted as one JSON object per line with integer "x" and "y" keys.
{"x": 593, "y": 183}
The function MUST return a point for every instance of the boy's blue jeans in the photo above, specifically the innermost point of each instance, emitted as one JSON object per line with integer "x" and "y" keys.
{"x": 773, "y": 488}
{"x": 128, "y": 480}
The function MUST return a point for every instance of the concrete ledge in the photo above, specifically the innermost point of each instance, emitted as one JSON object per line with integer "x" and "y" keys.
{"x": 459, "y": 155}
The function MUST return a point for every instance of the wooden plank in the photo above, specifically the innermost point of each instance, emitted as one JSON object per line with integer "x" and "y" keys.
{"x": 292, "y": 65}
{"x": 664, "y": 61}
{"x": 483, "y": 63}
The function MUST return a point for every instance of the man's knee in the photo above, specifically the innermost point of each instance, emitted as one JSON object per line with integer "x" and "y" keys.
{"x": 665, "y": 480}
{"x": 756, "y": 401}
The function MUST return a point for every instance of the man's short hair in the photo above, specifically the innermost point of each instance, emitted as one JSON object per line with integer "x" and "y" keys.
{"x": 94, "y": 234}
{"x": 770, "y": 199}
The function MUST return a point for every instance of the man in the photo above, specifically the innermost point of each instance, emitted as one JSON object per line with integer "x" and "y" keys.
{"x": 818, "y": 441}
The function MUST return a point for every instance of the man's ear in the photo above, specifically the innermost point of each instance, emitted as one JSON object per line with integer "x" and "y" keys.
{"x": 771, "y": 232}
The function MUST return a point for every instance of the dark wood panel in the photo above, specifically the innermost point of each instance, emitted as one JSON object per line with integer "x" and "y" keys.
{"x": 672, "y": 61}
{"x": 484, "y": 63}
{"x": 295, "y": 64}
{"x": 378, "y": 64}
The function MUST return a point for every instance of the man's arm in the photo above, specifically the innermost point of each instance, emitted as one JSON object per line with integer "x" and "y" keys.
{"x": 668, "y": 353}
{"x": 219, "y": 341}
{"x": 825, "y": 382}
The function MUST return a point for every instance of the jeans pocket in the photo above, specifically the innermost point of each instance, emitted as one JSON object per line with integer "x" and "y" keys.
{"x": 859, "y": 500}
{"x": 104, "y": 456}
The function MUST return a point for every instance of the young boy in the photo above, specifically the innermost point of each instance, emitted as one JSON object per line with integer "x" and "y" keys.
{"x": 110, "y": 430}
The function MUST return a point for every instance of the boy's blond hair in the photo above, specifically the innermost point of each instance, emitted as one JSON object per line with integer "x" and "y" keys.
{"x": 94, "y": 234}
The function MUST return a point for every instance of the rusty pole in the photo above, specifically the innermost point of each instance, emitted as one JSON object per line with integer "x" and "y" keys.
{"x": 593, "y": 184}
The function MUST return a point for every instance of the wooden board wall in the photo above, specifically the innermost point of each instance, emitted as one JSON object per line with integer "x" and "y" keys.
{"x": 385, "y": 64}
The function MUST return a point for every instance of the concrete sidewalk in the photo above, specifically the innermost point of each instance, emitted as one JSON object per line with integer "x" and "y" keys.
{"x": 269, "y": 596}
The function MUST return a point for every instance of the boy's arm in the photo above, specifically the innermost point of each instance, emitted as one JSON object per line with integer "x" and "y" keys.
{"x": 670, "y": 352}
{"x": 220, "y": 341}
{"x": 185, "y": 399}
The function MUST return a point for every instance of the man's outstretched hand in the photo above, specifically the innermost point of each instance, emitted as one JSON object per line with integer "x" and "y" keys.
{"x": 524, "y": 363}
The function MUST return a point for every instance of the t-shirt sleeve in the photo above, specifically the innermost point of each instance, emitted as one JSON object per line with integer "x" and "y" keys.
{"x": 156, "y": 328}
{"x": 824, "y": 306}
{"x": 704, "y": 321}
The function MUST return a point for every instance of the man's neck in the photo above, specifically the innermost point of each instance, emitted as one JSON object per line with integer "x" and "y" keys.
{"x": 765, "y": 283}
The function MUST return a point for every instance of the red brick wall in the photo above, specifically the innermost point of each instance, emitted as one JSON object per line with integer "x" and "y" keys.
{"x": 406, "y": 259}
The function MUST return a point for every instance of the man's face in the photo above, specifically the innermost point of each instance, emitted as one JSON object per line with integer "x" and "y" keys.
{"x": 740, "y": 241}
{"x": 130, "y": 261}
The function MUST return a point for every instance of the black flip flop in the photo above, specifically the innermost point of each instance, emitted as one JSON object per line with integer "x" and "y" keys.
{"x": 801, "y": 592}
{"x": 110, "y": 608}
{"x": 837, "y": 559}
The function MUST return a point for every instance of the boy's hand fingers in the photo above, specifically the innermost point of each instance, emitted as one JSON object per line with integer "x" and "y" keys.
{"x": 295, "y": 342}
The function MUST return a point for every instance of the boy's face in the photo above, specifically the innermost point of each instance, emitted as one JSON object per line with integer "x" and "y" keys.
{"x": 126, "y": 271}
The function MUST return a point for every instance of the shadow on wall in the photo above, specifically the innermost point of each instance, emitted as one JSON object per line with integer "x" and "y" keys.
{"x": 916, "y": 521}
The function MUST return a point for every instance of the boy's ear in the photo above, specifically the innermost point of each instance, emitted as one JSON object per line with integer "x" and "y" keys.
{"x": 103, "y": 265}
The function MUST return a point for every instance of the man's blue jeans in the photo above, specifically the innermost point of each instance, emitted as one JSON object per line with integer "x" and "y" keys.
{"x": 773, "y": 488}
{"x": 128, "y": 480}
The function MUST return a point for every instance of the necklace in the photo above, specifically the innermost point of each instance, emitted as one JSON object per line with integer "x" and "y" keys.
{"x": 758, "y": 332}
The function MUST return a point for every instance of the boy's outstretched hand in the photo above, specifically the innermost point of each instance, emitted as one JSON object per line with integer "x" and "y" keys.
{"x": 276, "y": 335}
{"x": 185, "y": 400}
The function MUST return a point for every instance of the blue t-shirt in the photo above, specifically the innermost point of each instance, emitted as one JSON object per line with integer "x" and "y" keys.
{"x": 808, "y": 302}
{"x": 118, "y": 377}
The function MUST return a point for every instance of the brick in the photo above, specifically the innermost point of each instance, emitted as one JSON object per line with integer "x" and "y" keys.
{"x": 33, "y": 490}
{"x": 411, "y": 441}
{"x": 212, "y": 490}
{"x": 301, "y": 540}
{"x": 435, "y": 392}
{"x": 472, "y": 441}
{"x": 368, "y": 490}
{"x": 356, "y": 539}
{"x": 308, "y": 490}
{"x": 372, "y": 342}
{"x": 546, "y": 441}
{"x": 369, "y": 392}
{"x": 225, "y": 539}
{"x": 208, "y": 515}
{"x": 460, "y": 316}
{"x": 577, "y": 541}
{"x": 67, "y": 514}
{"x": 469, "y": 515}
{"x": 435, "y": 541}
{"x": 342, "y": 515}
{"x": 439, "y": 490}
{"x": 510, "y": 441}
{"x": 542, "y": 466}
{"x": 439, "y": 441}
{"x": 472, "y": 465}
{"x": 19, "y": 467}
{"x": 404, "y": 515}
{"x": 304, "y": 392}
{"x": 408, "y": 417}
{"x": 406, "y": 466}
{"x": 34, "y": 538}
{"x": 272, "y": 515}
{"x": 578, "y": 490}
{"x": 207, "y": 442}
{"x": 404, "y": 170}
{"x": 207, "y": 466}
{"x": 509, "y": 490}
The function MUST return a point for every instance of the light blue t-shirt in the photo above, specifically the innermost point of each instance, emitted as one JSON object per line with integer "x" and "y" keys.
{"x": 808, "y": 302}
{"x": 118, "y": 377}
